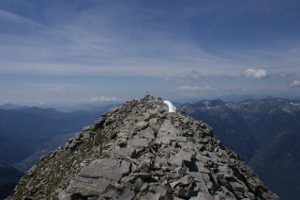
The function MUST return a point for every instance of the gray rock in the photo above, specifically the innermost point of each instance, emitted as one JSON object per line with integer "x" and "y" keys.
{"x": 156, "y": 197}
{"x": 141, "y": 125}
{"x": 139, "y": 143}
{"x": 186, "y": 180}
{"x": 140, "y": 151}
{"x": 181, "y": 156}
{"x": 203, "y": 196}
{"x": 106, "y": 168}
{"x": 168, "y": 129}
{"x": 88, "y": 186}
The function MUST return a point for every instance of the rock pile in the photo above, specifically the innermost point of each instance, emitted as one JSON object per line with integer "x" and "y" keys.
{"x": 141, "y": 151}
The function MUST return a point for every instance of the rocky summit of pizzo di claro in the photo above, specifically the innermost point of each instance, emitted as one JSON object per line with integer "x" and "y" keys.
{"x": 143, "y": 149}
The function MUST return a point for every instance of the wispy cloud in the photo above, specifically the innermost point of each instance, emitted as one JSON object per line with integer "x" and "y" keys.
{"x": 195, "y": 88}
{"x": 100, "y": 99}
{"x": 53, "y": 88}
{"x": 104, "y": 99}
{"x": 192, "y": 91}
{"x": 192, "y": 75}
{"x": 11, "y": 18}
{"x": 100, "y": 40}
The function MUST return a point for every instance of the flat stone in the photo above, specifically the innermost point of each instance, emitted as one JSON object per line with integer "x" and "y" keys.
{"x": 138, "y": 184}
{"x": 88, "y": 186}
{"x": 110, "y": 192}
{"x": 148, "y": 133}
{"x": 174, "y": 184}
{"x": 142, "y": 175}
{"x": 122, "y": 134}
{"x": 106, "y": 168}
{"x": 181, "y": 139}
{"x": 122, "y": 142}
{"x": 145, "y": 166}
{"x": 177, "y": 123}
{"x": 147, "y": 196}
{"x": 201, "y": 158}
{"x": 203, "y": 196}
{"x": 162, "y": 191}
{"x": 144, "y": 187}
{"x": 202, "y": 168}
{"x": 180, "y": 171}
{"x": 186, "y": 180}
{"x": 165, "y": 140}
{"x": 200, "y": 184}
{"x": 64, "y": 196}
{"x": 168, "y": 129}
{"x": 181, "y": 156}
{"x": 139, "y": 143}
{"x": 156, "y": 197}
{"x": 141, "y": 125}
{"x": 86, "y": 128}
{"x": 153, "y": 121}
{"x": 226, "y": 194}
{"x": 119, "y": 153}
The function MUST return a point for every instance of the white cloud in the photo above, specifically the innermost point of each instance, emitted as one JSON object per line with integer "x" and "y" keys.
{"x": 233, "y": 88}
{"x": 295, "y": 83}
{"x": 53, "y": 88}
{"x": 255, "y": 73}
{"x": 192, "y": 91}
{"x": 186, "y": 76}
{"x": 190, "y": 76}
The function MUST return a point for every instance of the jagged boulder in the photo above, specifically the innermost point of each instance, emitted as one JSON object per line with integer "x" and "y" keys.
{"x": 141, "y": 151}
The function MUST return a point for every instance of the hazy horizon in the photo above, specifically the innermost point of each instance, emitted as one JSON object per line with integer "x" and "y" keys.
{"x": 69, "y": 106}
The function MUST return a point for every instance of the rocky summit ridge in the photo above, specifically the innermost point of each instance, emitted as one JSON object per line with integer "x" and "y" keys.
{"x": 141, "y": 151}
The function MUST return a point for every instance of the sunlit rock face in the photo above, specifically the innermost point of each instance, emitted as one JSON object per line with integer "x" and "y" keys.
{"x": 140, "y": 150}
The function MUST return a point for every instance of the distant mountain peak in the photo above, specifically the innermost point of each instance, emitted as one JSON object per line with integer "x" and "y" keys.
{"x": 141, "y": 151}
{"x": 9, "y": 106}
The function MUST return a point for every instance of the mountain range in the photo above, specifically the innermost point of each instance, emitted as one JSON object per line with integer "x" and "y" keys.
{"x": 26, "y": 130}
{"x": 28, "y": 133}
{"x": 9, "y": 177}
{"x": 265, "y": 132}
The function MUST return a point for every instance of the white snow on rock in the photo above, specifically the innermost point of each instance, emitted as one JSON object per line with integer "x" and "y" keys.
{"x": 172, "y": 108}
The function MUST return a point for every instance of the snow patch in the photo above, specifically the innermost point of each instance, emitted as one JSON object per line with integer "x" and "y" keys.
{"x": 172, "y": 108}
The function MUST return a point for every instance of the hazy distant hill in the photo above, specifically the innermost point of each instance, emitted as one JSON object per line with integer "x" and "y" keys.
{"x": 28, "y": 129}
{"x": 266, "y": 133}
{"x": 9, "y": 106}
{"x": 27, "y": 133}
{"x": 9, "y": 177}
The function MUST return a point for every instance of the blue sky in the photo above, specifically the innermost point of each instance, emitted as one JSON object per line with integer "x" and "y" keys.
{"x": 75, "y": 51}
